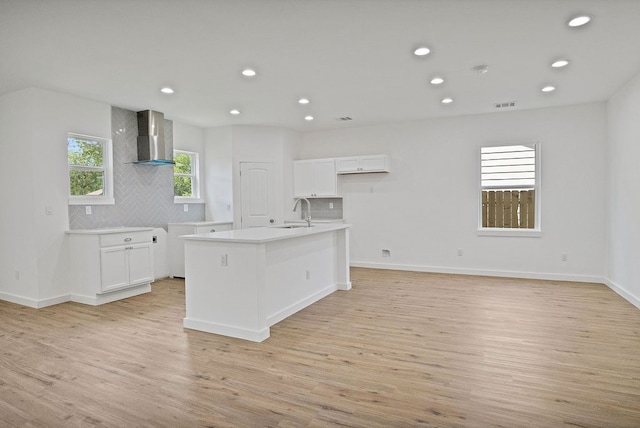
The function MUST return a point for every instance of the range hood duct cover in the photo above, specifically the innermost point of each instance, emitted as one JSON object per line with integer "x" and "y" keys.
{"x": 151, "y": 147}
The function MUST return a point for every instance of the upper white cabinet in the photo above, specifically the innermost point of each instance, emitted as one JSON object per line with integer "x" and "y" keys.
{"x": 315, "y": 177}
{"x": 362, "y": 164}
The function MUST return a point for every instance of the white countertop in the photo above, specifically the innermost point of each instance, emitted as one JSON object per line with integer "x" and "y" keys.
{"x": 265, "y": 234}
{"x": 200, "y": 223}
{"x": 317, "y": 220}
{"x": 107, "y": 230}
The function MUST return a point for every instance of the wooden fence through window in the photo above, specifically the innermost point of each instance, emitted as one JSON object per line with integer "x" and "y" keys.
{"x": 508, "y": 209}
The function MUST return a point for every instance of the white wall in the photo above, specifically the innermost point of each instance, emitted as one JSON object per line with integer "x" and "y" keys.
{"x": 34, "y": 125}
{"x": 218, "y": 174}
{"x": 427, "y": 207}
{"x": 623, "y": 201}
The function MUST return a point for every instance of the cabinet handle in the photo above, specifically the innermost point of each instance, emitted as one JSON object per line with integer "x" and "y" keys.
{"x": 213, "y": 230}
{"x": 127, "y": 239}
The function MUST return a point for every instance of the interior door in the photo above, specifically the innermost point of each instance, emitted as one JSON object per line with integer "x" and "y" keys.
{"x": 257, "y": 185}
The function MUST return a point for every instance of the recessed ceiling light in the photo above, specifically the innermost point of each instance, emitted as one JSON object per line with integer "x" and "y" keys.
{"x": 481, "y": 69}
{"x": 447, "y": 100}
{"x": 422, "y": 51}
{"x": 234, "y": 112}
{"x": 579, "y": 21}
{"x": 303, "y": 101}
{"x": 167, "y": 90}
{"x": 308, "y": 118}
{"x": 248, "y": 72}
{"x": 560, "y": 63}
{"x": 437, "y": 80}
{"x": 548, "y": 88}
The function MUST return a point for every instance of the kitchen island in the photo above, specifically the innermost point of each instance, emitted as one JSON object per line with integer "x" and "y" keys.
{"x": 240, "y": 282}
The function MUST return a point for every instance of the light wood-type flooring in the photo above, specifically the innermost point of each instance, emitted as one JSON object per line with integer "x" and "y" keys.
{"x": 400, "y": 349}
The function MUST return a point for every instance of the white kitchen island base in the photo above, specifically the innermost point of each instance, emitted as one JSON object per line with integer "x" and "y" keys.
{"x": 239, "y": 283}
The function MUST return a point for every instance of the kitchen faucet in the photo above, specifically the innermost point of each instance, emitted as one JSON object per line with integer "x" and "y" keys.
{"x": 308, "y": 217}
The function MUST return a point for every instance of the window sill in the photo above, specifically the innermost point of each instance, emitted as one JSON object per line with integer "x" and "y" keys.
{"x": 183, "y": 200}
{"x": 523, "y": 233}
{"x": 92, "y": 201}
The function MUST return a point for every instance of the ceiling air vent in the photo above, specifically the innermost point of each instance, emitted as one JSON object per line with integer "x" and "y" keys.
{"x": 344, "y": 119}
{"x": 507, "y": 104}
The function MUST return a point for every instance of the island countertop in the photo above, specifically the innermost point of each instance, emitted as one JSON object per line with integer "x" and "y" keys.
{"x": 259, "y": 235}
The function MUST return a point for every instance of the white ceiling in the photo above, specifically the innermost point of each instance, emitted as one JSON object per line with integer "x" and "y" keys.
{"x": 349, "y": 57}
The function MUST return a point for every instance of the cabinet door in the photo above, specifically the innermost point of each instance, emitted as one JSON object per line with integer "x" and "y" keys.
{"x": 302, "y": 178}
{"x": 114, "y": 269}
{"x": 140, "y": 264}
{"x": 373, "y": 163}
{"x": 324, "y": 178}
{"x": 347, "y": 165}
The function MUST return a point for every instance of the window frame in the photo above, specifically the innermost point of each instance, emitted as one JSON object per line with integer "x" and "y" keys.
{"x": 536, "y": 232}
{"x": 107, "y": 197}
{"x": 196, "y": 190}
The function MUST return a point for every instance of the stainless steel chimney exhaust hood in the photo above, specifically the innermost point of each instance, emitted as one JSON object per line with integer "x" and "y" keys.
{"x": 151, "y": 147}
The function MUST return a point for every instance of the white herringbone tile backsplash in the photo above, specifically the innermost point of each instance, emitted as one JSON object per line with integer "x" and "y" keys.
{"x": 143, "y": 193}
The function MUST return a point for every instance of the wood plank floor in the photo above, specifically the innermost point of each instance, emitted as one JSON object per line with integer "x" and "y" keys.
{"x": 399, "y": 349}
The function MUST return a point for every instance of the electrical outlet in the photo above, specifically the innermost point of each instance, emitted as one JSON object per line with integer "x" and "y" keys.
{"x": 87, "y": 210}
{"x": 386, "y": 253}
{"x": 17, "y": 275}
{"x": 185, "y": 207}
{"x": 308, "y": 274}
{"x": 563, "y": 257}
{"x": 224, "y": 260}
{"x": 48, "y": 210}
{"x": 330, "y": 205}
{"x": 460, "y": 253}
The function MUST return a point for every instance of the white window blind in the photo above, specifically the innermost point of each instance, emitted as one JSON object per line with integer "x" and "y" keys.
{"x": 508, "y": 166}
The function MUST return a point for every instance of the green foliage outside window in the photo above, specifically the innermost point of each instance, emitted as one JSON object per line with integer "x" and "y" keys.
{"x": 182, "y": 180}
{"x": 86, "y": 167}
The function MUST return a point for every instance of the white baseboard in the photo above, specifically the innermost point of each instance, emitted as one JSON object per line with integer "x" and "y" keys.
{"x": 101, "y": 299}
{"x": 19, "y": 300}
{"x": 34, "y": 303}
{"x": 292, "y": 309}
{"x": 226, "y": 330}
{"x": 481, "y": 272}
{"x": 626, "y": 295}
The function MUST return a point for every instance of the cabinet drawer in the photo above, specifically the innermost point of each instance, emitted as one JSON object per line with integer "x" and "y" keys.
{"x": 124, "y": 238}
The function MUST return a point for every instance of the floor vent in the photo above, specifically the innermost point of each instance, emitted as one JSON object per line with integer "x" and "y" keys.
{"x": 507, "y": 104}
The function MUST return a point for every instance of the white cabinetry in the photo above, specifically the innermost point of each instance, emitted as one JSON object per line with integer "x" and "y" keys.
{"x": 108, "y": 265}
{"x": 315, "y": 178}
{"x": 362, "y": 164}
{"x": 175, "y": 245}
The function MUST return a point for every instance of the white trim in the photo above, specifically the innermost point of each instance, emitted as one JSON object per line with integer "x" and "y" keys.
{"x": 196, "y": 190}
{"x": 187, "y": 200}
{"x": 537, "y": 187}
{"x": 107, "y": 157}
{"x": 227, "y": 330}
{"x": 91, "y": 200}
{"x": 523, "y": 233}
{"x": 626, "y": 295}
{"x": 33, "y": 303}
{"x": 100, "y": 299}
{"x": 482, "y": 272}
{"x": 299, "y": 305}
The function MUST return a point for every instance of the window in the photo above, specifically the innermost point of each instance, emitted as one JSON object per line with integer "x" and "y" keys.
{"x": 510, "y": 188}
{"x": 90, "y": 170}
{"x": 185, "y": 175}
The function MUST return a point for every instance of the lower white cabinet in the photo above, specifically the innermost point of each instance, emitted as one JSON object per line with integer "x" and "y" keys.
{"x": 175, "y": 245}
{"x": 111, "y": 264}
{"x": 124, "y": 266}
